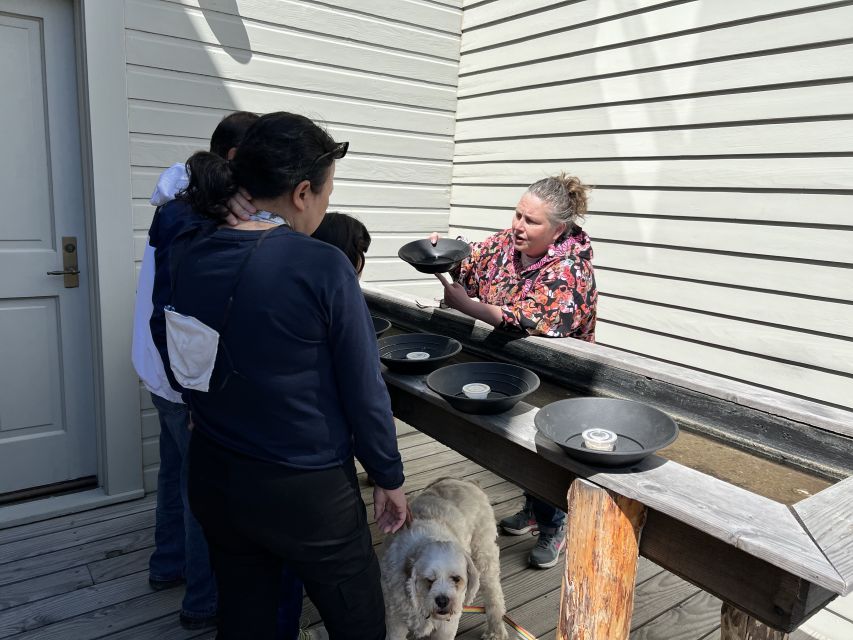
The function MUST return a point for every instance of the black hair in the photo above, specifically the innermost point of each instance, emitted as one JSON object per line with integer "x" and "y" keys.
{"x": 230, "y": 131}
{"x": 347, "y": 234}
{"x": 279, "y": 151}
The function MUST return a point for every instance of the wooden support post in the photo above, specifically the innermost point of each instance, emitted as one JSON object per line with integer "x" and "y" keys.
{"x": 602, "y": 547}
{"x": 738, "y": 625}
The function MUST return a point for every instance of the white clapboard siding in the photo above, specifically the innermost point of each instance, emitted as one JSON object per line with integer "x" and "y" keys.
{"x": 199, "y": 91}
{"x": 833, "y": 354}
{"x": 828, "y": 317}
{"x": 168, "y": 124}
{"x": 532, "y": 17}
{"x": 346, "y": 193}
{"x": 687, "y": 49}
{"x": 237, "y": 33}
{"x": 823, "y": 100}
{"x": 158, "y": 150}
{"x": 782, "y": 241}
{"x": 719, "y": 136}
{"x": 409, "y": 221}
{"x": 780, "y": 376}
{"x": 666, "y": 22}
{"x": 162, "y": 52}
{"x": 808, "y": 65}
{"x": 802, "y": 208}
{"x": 783, "y": 138}
{"x": 345, "y": 21}
{"x": 730, "y": 173}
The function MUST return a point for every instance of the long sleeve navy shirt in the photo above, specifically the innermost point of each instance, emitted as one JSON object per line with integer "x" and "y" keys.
{"x": 305, "y": 388}
{"x": 170, "y": 221}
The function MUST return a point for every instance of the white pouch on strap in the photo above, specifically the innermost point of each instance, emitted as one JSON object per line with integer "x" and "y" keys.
{"x": 192, "y": 347}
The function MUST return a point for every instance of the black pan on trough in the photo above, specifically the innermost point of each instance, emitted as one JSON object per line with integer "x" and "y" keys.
{"x": 640, "y": 429}
{"x": 380, "y": 325}
{"x": 394, "y": 349}
{"x": 508, "y": 383}
{"x": 441, "y": 258}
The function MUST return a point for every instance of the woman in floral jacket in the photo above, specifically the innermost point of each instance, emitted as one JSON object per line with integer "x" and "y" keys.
{"x": 534, "y": 277}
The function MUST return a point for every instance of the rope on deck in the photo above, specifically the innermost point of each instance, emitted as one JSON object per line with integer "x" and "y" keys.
{"x": 521, "y": 631}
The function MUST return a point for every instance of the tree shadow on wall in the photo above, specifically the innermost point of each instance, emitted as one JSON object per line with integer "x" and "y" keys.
{"x": 223, "y": 18}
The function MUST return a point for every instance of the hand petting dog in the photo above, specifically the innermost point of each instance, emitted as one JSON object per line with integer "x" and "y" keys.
{"x": 390, "y": 508}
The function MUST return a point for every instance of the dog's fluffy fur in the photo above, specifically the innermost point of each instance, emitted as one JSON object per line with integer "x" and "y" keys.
{"x": 433, "y": 568}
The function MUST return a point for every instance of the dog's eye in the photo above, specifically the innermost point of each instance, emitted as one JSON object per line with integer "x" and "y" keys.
{"x": 456, "y": 579}
{"x": 429, "y": 581}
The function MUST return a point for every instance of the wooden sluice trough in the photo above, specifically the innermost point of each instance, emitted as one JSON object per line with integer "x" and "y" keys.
{"x": 730, "y": 523}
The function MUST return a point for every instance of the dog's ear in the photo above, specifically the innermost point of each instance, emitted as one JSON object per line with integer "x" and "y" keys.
{"x": 473, "y": 581}
{"x": 411, "y": 558}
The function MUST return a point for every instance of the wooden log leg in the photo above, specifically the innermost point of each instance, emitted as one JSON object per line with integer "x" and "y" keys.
{"x": 602, "y": 546}
{"x": 738, "y": 625}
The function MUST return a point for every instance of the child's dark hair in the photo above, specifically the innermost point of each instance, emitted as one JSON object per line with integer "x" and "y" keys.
{"x": 347, "y": 234}
{"x": 230, "y": 131}
{"x": 279, "y": 151}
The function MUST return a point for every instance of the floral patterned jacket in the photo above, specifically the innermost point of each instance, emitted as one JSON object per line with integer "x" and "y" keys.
{"x": 554, "y": 297}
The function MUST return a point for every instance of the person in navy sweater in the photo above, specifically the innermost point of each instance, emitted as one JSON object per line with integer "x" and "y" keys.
{"x": 180, "y": 551}
{"x": 295, "y": 390}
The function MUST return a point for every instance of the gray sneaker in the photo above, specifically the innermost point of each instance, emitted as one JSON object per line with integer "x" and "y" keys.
{"x": 548, "y": 548}
{"x": 520, "y": 523}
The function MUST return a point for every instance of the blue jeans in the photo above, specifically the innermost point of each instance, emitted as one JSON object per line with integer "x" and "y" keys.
{"x": 180, "y": 549}
{"x": 547, "y": 517}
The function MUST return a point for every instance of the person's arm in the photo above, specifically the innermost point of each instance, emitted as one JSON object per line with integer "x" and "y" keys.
{"x": 361, "y": 389}
{"x": 456, "y": 297}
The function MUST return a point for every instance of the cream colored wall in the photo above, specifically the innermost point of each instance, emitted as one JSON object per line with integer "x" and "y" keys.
{"x": 718, "y": 133}
{"x": 380, "y": 73}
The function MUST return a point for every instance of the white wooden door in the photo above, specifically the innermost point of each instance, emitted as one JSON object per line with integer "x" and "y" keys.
{"x": 47, "y": 415}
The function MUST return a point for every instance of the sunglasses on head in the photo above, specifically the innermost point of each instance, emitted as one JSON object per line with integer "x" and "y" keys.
{"x": 337, "y": 152}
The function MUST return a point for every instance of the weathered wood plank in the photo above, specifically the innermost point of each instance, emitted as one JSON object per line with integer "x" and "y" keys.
{"x": 164, "y": 628}
{"x": 828, "y": 517}
{"x": 31, "y": 617}
{"x": 59, "y": 540}
{"x": 75, "y": 520}
{"x": 691, "y": 619}
{"x": 660, "y": 594}
{"x": 32, "y": 589}
{"x": 125, "y": 614}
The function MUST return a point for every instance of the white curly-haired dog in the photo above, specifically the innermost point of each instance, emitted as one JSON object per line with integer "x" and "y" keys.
{"x": 438, "y": 564}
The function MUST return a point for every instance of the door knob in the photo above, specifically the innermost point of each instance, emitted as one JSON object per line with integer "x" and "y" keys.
{"x": 69, "y": 260}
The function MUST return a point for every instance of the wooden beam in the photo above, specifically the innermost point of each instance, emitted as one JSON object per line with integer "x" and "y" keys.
{"x": 791, "y": 430}
{"x": 737, "y": 625}
{"x": 602, "y": 548}
{"x": 828, "y": 517}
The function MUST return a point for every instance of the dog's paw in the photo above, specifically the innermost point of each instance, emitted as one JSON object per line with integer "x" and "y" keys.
{"x": 499, "y": 634}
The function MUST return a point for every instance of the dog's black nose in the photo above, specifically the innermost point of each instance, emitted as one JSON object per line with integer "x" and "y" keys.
{"x": 442, "y": 601}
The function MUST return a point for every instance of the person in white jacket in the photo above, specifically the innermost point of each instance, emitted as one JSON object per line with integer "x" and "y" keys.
{"x": 180, "y": 554}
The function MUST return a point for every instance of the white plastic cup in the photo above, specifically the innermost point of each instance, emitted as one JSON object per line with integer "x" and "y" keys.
{"x": 417, "y": 355}
{"x": 476, "y": 390}
{"x": 599, "y": 439}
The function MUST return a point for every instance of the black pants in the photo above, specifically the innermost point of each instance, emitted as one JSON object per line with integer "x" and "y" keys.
{"x": 258, "y": 517}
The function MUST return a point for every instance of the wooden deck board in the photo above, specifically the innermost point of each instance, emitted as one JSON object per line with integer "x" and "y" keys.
{"x": 84, "y": 576}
